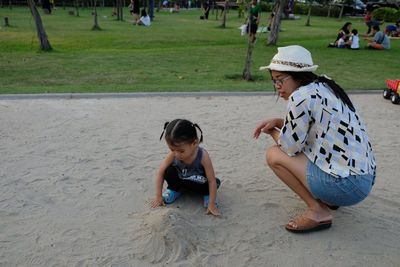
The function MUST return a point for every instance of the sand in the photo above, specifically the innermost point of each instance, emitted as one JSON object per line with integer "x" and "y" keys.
{"x": 77, "y": 176}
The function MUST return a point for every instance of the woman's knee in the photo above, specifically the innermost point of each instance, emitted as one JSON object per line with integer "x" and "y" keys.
{"x": 273, "y": 155}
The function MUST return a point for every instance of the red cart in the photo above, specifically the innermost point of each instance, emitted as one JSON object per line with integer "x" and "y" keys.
{"x": 393, "y": 90}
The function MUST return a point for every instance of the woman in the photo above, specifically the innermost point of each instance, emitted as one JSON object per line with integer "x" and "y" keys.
{"x": 344, "y": 34}
{"x": 322, "y": 151}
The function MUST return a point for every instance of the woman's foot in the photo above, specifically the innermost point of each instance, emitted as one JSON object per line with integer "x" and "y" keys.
{"x": 317, "y": 218}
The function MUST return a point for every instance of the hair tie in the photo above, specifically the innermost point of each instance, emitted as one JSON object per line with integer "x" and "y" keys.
{"x": 165, "y": 127}
{"x": 201, "y": 132}
{"x": 326, "y": 77}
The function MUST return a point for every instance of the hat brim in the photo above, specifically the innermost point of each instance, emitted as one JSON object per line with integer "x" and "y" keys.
{"x": 279, "y": 67}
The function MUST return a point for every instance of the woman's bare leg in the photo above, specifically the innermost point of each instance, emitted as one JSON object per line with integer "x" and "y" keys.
{"x": 292, "y": 171}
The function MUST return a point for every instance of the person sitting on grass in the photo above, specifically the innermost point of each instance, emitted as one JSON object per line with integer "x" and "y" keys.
{"x": 380, "y": 41}
{"x": 144, "y": 19}
{"x": 344, "y": 34}
{"x": 354, "y": 41}
{"x": 393, "y": 30}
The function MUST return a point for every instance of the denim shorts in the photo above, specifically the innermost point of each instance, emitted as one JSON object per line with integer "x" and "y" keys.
{"x": 337, "y": 190}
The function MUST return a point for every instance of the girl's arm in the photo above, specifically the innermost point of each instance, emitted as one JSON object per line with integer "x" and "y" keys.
{"x": 158, "y": 201}
{"x": 212, "y": 183}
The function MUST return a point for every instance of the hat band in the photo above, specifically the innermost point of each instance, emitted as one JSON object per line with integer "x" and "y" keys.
{"x": 292, "y": 64}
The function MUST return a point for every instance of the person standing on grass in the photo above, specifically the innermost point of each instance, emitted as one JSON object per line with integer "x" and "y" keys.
{"x": 322, "y": 151}
{"x": 206, "y": 9}
{"x": 253, "y": 20}
{"x": 134, "y": 9}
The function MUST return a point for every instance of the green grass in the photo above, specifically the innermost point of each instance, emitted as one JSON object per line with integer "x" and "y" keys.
{"x": 178, "y": 52}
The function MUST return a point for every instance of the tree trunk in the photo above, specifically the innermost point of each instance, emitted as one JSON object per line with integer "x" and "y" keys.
{"x": 308, "y": 16}
{"x": 216, "y": 13}
{"x": 121, "y": 9}
{"x": 276, "y": 23}
{"x": 76, "y": 8}
{"x": 341, "y": 12}
{"x": 96, "y": 26}
{"x": 224, "y": 18}
{"x": 159, "y": 6}
{"x": 329, "y": 11}
{"x": 246, "y": 75}
{"x": 44, "y": 42}
{"x": 118, "y": 7}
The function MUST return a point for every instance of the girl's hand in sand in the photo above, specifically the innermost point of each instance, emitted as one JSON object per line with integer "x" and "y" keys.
{"x": 267, "y": 126}
{"x": 157, "y": 202}
{"x": 212, "y": 209}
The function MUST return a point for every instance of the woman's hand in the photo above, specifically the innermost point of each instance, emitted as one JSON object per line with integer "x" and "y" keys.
{"x": 213, "y": 210}
{"x": 157, "y": 202}
{"x": 267, "y": 126}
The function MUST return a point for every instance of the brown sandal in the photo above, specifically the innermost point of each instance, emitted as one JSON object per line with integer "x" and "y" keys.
{"x": 305, "y": 225}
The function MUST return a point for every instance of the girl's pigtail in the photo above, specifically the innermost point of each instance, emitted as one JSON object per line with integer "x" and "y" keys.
{"x": 165, "y": 127}
{"x": 201, "y": 132}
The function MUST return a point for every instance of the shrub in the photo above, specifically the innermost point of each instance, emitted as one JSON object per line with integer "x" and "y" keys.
{"x": 387, "y": 14}
{"x": 302, "y": 9}
{"x": 316, "y": 10}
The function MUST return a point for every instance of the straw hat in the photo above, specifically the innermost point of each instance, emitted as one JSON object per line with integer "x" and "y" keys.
{"x": 292, "y": 58}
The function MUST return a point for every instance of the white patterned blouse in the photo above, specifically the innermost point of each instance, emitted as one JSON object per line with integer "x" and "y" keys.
{"x": 331, "y": 135}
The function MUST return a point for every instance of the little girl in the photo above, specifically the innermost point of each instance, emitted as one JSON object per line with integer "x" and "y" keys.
{"x": 187, "y": 166}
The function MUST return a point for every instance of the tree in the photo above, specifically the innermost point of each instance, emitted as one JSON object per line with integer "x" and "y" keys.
{"x": 6, "y": 23}
{"x": 341, "y": 12}
{"x": 96, "y": 26}
{"x": 76, "y": 4}
{"x": 276, "y": 22}
{"x": 41, "y": 33}
{"x": 309, "y": 13}
{"x": 246, "y": 74}
{"x": 224, "y": 17}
